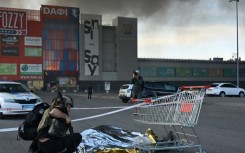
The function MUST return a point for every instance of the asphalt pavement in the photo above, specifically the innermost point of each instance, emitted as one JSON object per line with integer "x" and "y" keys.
{"x": 221, "y": 124}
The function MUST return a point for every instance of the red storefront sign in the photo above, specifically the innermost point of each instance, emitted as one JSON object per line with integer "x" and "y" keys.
{"x": 13, "y": 22}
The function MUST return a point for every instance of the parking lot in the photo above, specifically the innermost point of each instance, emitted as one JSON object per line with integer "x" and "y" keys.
{"x": 221, "y": 125}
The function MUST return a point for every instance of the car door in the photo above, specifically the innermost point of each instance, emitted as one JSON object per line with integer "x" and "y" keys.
{"x": 225, "y": 88}
{"x": 159, "y": 88}
{"x": 229, "y": 89}
{"x": 233, "y": 89}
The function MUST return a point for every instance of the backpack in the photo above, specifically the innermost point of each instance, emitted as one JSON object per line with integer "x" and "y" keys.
{"x": 27, "y": 130}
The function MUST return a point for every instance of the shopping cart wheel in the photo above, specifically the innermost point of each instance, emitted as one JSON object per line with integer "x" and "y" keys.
{"x": 182, "y": 142}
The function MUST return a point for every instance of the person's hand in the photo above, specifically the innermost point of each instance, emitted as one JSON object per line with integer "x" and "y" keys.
{"x": 68, "y": 120}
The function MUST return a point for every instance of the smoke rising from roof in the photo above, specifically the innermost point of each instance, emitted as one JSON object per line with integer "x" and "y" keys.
{"x": 177, "y": 12}
{"x": 172, "y": 26}
{"x": 158, "y": 12}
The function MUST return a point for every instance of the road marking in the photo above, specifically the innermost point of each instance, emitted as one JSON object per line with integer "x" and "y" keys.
{"x": 108, "y": 113}
{"x": 100, "y": 107}
{"x": 85, "y": 118}
{"x": 9, "y": 129}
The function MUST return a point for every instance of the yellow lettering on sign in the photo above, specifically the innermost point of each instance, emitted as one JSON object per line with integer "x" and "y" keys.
{"x": 127, "y": 29}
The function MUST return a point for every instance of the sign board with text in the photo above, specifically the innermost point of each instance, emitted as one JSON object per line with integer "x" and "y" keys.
{"x": 10, "y": 39}
{"x": 33, "y": 41}
{"x": 91, "y": 43}
{"x": 8, "y": 69}
{"x": 9, "y": 51}
{"x": 13, "y": 22}
{"x": 31, "y": 69}
{"x": 59, "y": 12}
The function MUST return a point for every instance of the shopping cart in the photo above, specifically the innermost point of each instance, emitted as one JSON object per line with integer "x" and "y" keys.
{"x": 177, "y": 113}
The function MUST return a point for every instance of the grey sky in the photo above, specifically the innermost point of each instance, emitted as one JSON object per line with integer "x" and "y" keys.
{"x": 198, "y": 29}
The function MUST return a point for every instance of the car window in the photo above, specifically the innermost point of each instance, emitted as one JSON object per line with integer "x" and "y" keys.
{"x": 3, "y": 88}
{"x": 214, "y": 85}
{"x": 158, "y": 85}
{"x": 228, "y": 86}
{"x": 169, "y": 87}
{"x": 224, "y": 85}
{"x": 125, "y": 87}
{"x": 232, "y": 86}
{"x": 148, "y": 85}
{"x": 13, "y": 88}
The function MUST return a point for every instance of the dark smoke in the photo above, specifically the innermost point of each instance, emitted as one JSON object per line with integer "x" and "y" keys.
{"x": 188, "y": 25}
{"x": 164, "y": 12}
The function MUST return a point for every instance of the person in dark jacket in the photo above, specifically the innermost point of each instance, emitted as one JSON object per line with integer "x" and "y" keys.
{"x": 138, "y": 83}
{"x": 57, "y": 140}
{"x": 90, "y": 91}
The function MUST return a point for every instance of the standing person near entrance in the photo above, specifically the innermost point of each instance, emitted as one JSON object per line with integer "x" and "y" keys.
{"x": 138, "y": 83}
{"x": 90, "y": 91}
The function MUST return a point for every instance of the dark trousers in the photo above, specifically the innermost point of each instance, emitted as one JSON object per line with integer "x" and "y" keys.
{"x": 60, "y": 144}
{"x": 137, "y": 94}
{"x": 89, "y": 95}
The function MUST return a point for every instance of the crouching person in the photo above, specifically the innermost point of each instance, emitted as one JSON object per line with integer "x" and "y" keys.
{"x": 52, "y": 134}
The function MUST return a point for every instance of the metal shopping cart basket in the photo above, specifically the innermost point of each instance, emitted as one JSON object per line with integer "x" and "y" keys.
{"x": 177, "y": 113}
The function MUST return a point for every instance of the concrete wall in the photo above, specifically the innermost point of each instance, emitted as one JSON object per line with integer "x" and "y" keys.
{"x": 126, "y": 46}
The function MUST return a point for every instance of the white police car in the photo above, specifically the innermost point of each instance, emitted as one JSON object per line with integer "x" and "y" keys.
{"x": 125, "y": 92}
{"x": 15, "y": 99}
